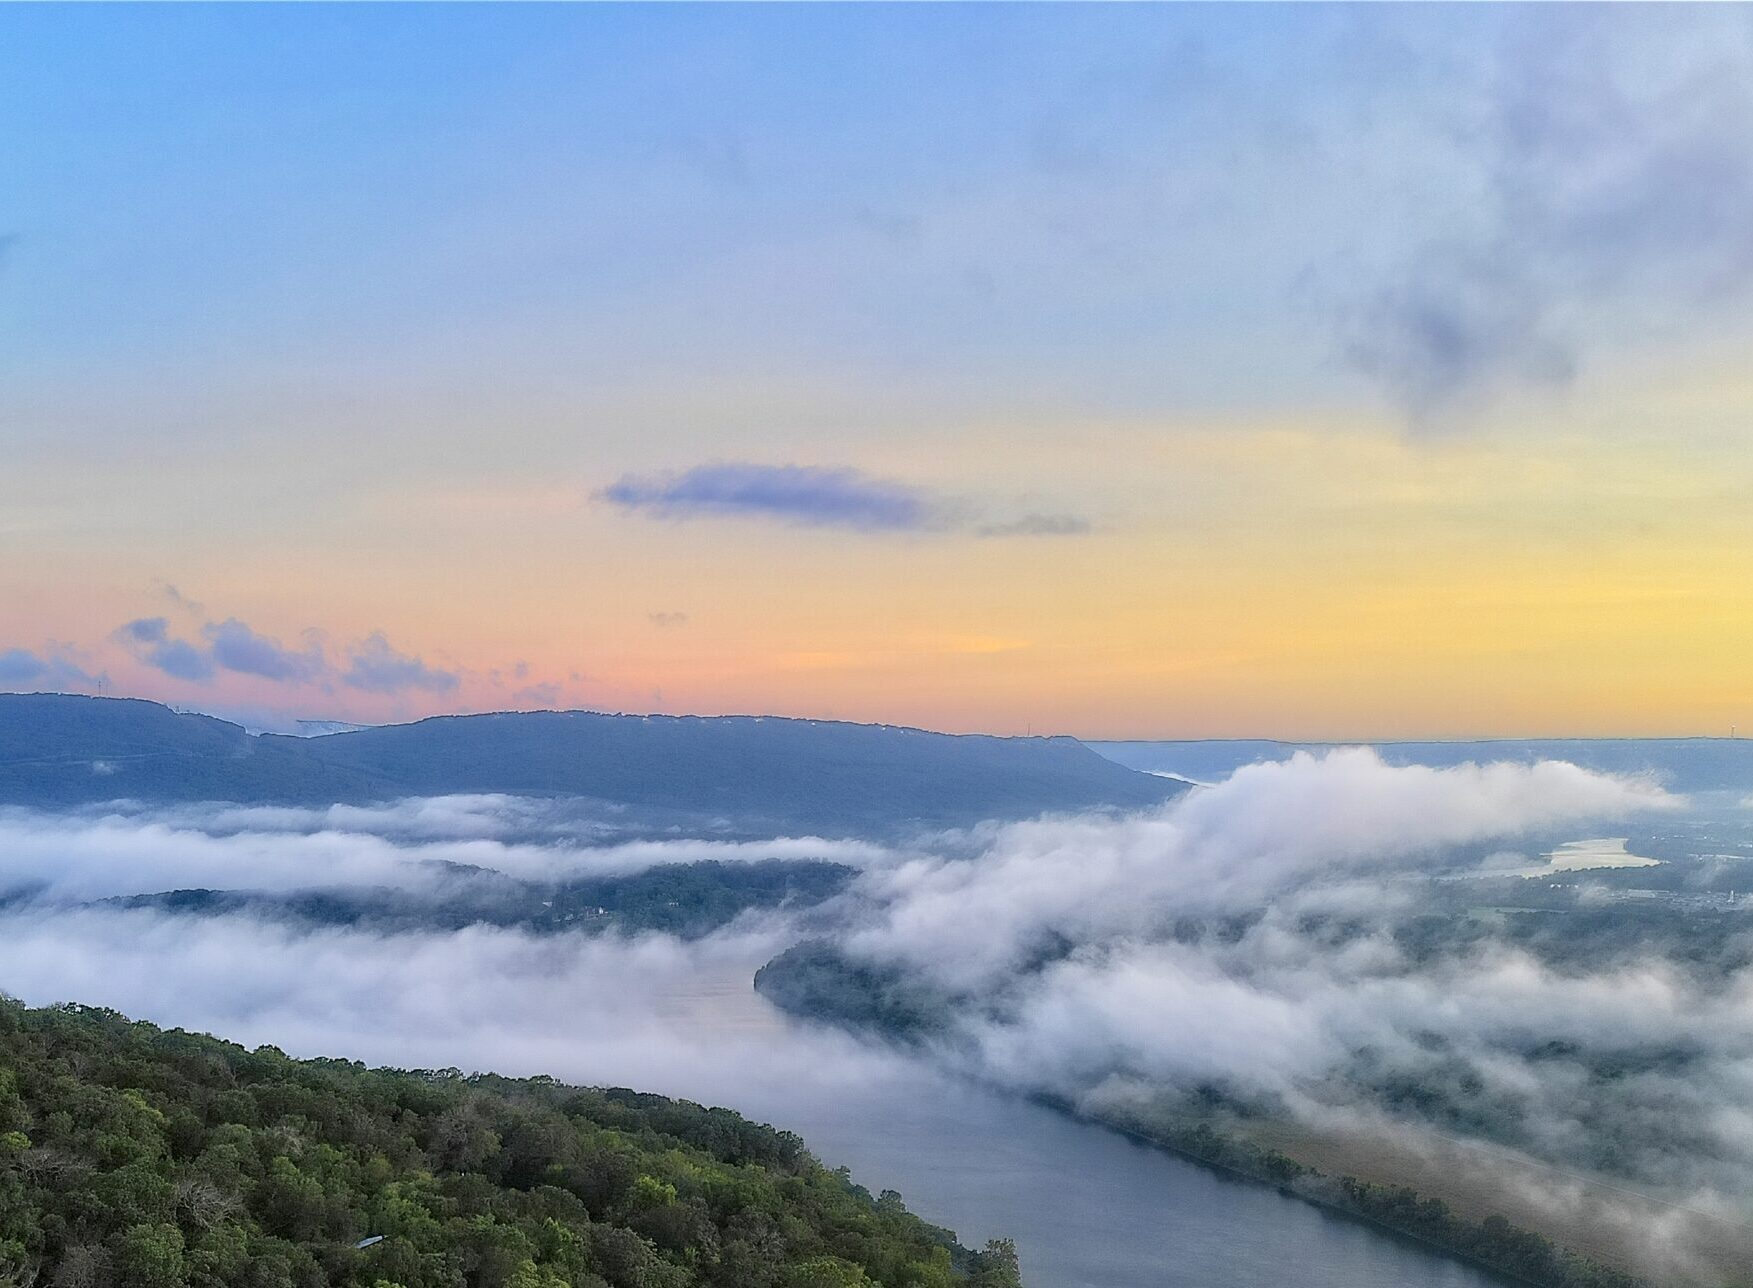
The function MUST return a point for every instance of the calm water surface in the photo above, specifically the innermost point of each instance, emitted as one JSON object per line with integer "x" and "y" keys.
{"x": 1087, "y": 1207}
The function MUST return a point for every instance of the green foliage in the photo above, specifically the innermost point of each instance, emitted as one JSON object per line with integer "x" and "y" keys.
{"x": 817, "y": 980}
{"x": 132, "y": 1157}
{"x": 1493, "y": 1242}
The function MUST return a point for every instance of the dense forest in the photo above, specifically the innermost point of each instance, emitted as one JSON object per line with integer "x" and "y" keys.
{"x": 142, "y": 1158}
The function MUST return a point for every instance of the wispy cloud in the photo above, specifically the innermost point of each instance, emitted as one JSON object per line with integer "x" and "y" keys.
{"x": 1036, "y": 525}
{"x": 375, "y": 667}
{"x": 238, "y": 648}
{"x": 181, "y": 601}
{"x": 52, "y": 668}
{"x": 149, "y": 640}
{"x": 372, "y": 665}
{"x": 1610, "y": 162}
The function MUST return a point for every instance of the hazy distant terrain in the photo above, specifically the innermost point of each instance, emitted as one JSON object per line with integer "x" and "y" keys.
{"x": 684, "y": 773}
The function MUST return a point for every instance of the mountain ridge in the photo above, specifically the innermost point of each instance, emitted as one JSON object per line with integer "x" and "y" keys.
{"x": 63, "y": 750}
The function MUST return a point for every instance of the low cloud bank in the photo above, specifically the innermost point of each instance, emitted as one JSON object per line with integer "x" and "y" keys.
{"x": 650, "y": 1012}
{"x": 1274, "y": 939}
{"x": 1268, "y": 831}
{"x": 408, "y": 844}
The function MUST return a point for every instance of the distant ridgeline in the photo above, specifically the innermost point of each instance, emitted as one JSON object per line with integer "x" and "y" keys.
{"x": 61, "y": 750}
{"x": 136, "y": 1157}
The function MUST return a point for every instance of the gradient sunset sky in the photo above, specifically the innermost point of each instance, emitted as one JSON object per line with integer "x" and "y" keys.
{"x": 1117, "y": 371}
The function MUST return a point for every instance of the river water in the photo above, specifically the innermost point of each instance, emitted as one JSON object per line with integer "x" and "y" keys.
{"x": 1088, "y": 1207}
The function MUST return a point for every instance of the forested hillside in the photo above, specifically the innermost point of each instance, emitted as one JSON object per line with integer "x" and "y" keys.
{"x": 141, "y": 1158}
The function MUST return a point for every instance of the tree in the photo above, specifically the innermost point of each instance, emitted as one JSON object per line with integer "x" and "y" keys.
{"x": 151, "y": 1256}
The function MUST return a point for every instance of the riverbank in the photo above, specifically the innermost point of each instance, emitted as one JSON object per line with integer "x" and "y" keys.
{"x": 1492, "y": 1243}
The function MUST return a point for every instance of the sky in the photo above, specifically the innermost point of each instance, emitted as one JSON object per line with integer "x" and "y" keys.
{"x": 1143, "y": 371}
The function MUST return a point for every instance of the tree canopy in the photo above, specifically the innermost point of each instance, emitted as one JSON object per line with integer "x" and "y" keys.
{"x": 139, "y": 1157}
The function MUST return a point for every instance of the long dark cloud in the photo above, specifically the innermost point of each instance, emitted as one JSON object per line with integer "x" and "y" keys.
{"x": 798, "y": 494}
{"x": 811, "y": 496}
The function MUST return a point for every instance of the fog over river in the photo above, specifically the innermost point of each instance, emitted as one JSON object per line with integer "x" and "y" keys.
{"x": 1088, "y": 1208}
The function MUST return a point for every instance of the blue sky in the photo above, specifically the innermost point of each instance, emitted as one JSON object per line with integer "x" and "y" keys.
{"x": 364, "y": 323}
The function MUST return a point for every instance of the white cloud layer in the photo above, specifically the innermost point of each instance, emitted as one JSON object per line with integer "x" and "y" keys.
{"x": 1063, "y": 937}
{"x": 125, "y": 850}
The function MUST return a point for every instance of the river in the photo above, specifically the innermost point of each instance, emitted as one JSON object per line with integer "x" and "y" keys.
{"x": 1088, "y": 1207}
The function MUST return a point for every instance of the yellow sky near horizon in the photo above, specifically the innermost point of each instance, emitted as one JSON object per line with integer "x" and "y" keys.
{"x": 1578, "y": 572}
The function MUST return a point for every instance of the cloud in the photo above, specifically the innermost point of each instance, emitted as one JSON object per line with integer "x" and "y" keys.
{"x": 181, "y": 601}
{"x": 651, "y": 1012}
{"x": 1605, "y": 167}
{"x": 796, "y": 494}
{"x": 807, "y": 496}
{"x": 1036, "y": 525}
{"x": 232, "y": 645}
{"x": 236, "y": 647}
{"x": 147, "y": 630}
{"x": 1262, "y": 939}
{"x": 54, "y": 668}
{"x": 375, "y": 667}
{"x": 180, "y": 660}
{"x": 547, "y": 694}
{"x": 663, "y": 619}
{"x": 1269, "y": 937}
{"x": 1268, "y": 829}
{"x": 1450, "y": 329}
{"x": 149, "y": 640}
{"x": 409, "y": 844}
